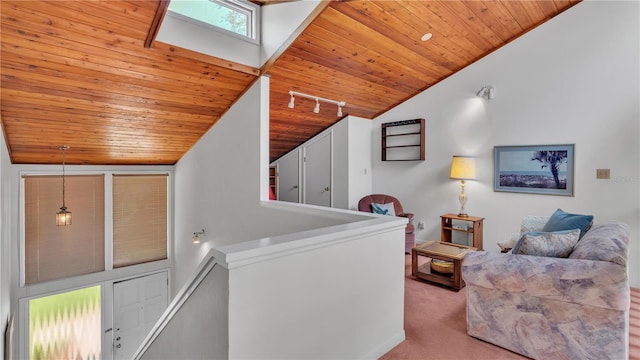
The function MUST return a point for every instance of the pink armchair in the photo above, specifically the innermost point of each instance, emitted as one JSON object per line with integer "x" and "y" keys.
{"x": 365, "y": 205}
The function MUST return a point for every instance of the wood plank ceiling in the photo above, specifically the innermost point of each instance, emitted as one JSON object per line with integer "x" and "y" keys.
{"x": 77, "y": 72}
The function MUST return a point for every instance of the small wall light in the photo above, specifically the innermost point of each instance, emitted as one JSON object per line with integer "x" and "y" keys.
{"x": 196, "y": 236}
{"x": 489, "y": 91}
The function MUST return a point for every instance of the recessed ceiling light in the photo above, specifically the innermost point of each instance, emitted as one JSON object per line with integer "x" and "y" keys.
{"x": 426, "y": 36}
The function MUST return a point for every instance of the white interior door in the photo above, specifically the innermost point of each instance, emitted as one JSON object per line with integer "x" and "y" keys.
{"x": 317, "y": 171}
{"x": 137, "y": 305}
{"x": 289, "y": 177}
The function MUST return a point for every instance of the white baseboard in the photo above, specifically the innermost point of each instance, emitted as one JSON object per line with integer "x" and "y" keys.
{"x": 384, "y": 348}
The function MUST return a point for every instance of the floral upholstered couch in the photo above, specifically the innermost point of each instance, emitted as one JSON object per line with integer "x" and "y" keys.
{"x": 554, "y": 308}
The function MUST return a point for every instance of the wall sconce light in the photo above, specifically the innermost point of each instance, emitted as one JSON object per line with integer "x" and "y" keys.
{"x": 196, "y": 236}
{"x": 316, "y": 109}
{"x": 489, "y": 91}
{"x": 463, "y": 168}
{"x": 63, "y": 217}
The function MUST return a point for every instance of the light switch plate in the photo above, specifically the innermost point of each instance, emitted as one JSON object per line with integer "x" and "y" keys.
{"x": 603, "y": 174}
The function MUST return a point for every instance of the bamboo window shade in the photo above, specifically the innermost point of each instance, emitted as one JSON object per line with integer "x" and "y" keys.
{"x": 55, "y": 252}
{"x": 139, "y": 219}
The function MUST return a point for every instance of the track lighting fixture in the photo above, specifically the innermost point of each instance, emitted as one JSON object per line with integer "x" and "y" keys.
{"x": 488, "y": 91}
{"x": 318, "y": 99}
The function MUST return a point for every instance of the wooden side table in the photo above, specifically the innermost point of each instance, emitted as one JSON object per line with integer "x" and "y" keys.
{"x": 448, "y": 227}
{"x": 435, "y": 249}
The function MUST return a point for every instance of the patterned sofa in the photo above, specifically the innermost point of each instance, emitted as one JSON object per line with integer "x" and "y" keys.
{"x": 554, "y": 308}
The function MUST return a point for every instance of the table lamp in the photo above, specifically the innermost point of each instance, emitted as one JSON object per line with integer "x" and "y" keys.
{"x": 463, "y": 168}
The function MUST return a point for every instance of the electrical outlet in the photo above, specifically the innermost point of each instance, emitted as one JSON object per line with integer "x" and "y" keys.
{"x": 420, "y": 225}
{"x": 603, "y": 173}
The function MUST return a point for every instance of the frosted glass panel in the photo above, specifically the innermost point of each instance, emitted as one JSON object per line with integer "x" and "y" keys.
{"x": 66, "y": 325}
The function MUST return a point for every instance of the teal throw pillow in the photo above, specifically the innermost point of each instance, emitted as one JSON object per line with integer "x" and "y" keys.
{"x": 558, "y": 244}
{"x": 561, "y": 220}
{"x": 383, "y": 209}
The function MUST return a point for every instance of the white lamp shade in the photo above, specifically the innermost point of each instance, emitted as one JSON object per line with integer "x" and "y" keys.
{"x": 463, "y": 168}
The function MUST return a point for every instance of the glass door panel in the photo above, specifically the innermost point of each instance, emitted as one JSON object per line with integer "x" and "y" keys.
{"x": 66, "y": 325}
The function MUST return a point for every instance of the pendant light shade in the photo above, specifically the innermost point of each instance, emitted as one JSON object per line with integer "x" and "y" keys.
{"x": 63, "y": 217}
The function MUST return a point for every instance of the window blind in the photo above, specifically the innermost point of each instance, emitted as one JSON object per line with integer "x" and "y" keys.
{"x": 54, "y": 252}
{"x": 139, "y": 219}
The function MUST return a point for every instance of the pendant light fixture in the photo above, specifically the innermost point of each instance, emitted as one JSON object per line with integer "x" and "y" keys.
{"x": 63, "y": 217}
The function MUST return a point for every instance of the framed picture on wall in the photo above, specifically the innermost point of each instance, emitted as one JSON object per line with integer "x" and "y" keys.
{"x": 534, "y": 169}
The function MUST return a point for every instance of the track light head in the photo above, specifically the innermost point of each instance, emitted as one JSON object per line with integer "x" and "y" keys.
{"x": 317, "y": 108}
{"x": 339, "y": 111}
{"x": 292, "y": 102}
{"x": 492, "y": 93}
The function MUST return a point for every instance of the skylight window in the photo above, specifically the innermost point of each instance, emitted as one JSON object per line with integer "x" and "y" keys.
{"x": 236, "y": 17}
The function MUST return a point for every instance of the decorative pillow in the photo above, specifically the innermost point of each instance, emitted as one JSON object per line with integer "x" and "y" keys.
{"x": 608, "y": 241}
{"x": 384, "y": 209}
{"x": 507, "y": 245}
{"x": 561, "y": 220}
{"x": 551, "y": 244}
{"x": 533, "y": 223}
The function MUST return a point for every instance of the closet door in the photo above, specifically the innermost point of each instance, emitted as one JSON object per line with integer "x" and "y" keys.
{"x": 289, "y": 177}
{"x": 317, "y": 171}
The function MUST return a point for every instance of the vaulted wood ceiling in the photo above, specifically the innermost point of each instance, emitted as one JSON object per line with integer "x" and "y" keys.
{"x": 77, "y": 72}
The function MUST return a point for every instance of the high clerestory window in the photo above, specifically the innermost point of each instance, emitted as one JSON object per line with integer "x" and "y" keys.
{"x": 235, "y": 17}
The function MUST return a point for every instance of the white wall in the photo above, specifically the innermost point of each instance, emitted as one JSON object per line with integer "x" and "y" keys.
{"x": 292, "y": 296}
{"x": 279, "y": 21}
{"x": 360, "y": 172}
{"x": 208, "y": 331}
{"x": 220, "y": 181}
{"x": 337, "y": 309}
{"x": 351, "y": 158}
{"x": 323, "y": 294}
{"x": 573, "y": 80}
{"x": 5, "y": 236}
